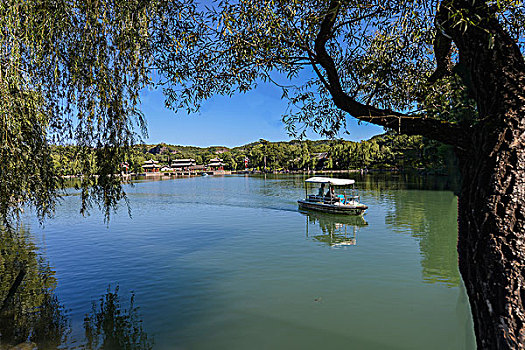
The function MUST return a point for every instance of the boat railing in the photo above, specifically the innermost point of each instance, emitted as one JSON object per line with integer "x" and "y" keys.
{"x": 336, "y": 198}
{"x": 315, "y": 198}
{"x": 325, "y": 199}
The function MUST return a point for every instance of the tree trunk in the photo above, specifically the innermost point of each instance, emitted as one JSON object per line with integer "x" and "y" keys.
{"x": 491, "y": 213}
{"x": 491, "y": 241}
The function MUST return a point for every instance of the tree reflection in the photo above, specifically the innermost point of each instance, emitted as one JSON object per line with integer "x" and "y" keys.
{"x": 29, "y": 310}
{"x": 109, "y": 326}
{"x": 430, "y": 217}
{"x": 31, "y": 315}
{"x": 424, "y": 206}
{"x": 376, "y": 183}
{"x": 337, "y": 230}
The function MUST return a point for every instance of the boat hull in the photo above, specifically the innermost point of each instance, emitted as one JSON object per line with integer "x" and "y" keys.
{"x": 333, "y": 209}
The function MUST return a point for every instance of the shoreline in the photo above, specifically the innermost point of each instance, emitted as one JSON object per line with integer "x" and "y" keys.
{"x": 259, "y": 172}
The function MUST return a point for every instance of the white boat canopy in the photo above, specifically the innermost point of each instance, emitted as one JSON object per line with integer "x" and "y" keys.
{"x": 330, "y": 180}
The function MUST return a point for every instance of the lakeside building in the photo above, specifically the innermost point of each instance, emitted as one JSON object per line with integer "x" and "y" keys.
{"x": 151, "y": 166}
{"x": 183, "y": 164}
{"x": 198, "y": 168}
{"x": 216, "y": 164}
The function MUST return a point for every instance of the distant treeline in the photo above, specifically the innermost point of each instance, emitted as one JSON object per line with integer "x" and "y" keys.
{"x": 387, "y": 151}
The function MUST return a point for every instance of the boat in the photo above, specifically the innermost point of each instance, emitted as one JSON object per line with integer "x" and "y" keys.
{"x": 340, "y": 202}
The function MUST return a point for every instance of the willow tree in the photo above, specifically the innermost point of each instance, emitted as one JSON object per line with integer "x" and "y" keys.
{"x": 450, "y": 70}
{"x": 70, "y": 74}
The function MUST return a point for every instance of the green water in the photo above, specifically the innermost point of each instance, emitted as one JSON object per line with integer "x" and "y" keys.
{"x": 230, "y": 263}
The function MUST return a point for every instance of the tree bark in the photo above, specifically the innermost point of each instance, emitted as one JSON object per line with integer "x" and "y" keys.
{"x": 491, "y": 242}
{"x": 491, "y": 213}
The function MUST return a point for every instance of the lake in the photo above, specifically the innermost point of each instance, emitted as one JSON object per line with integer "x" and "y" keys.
{"x": 230, "y": 263}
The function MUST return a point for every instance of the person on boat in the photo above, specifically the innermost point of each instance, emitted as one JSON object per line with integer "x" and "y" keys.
{"x": 330, "y": 193}
{"x": 321, "y": 190}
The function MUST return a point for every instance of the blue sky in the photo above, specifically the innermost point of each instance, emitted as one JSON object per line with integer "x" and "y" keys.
{"x": 225, "y": 121}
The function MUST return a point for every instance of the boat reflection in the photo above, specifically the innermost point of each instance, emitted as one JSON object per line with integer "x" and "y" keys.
{"x": 335, "y": 230}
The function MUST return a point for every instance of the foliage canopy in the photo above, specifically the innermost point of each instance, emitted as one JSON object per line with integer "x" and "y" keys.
{"x": 379, "y": 54}
{"x": 71, "y": 73}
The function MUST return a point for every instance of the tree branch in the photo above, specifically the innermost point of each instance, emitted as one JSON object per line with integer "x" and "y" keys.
{"x": 355, "y": 20}
{"x": 439, "y": 130}
{"x": 442, "y": 51}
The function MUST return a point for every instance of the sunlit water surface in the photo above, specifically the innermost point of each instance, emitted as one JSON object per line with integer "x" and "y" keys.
{"x": 230, "y": 263}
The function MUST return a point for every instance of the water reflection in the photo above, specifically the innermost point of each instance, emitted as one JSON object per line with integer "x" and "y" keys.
{"x": 377, "y": 182}
{"x": 29, "y": 311}
{"x": 432, "y": 220}
{"x": 111, "y": 326}
{"x": 337, "y": 230}
{"x": 31, "y": 315}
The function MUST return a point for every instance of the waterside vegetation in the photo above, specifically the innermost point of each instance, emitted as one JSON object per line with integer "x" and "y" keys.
{"x": 389, "y": 151}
